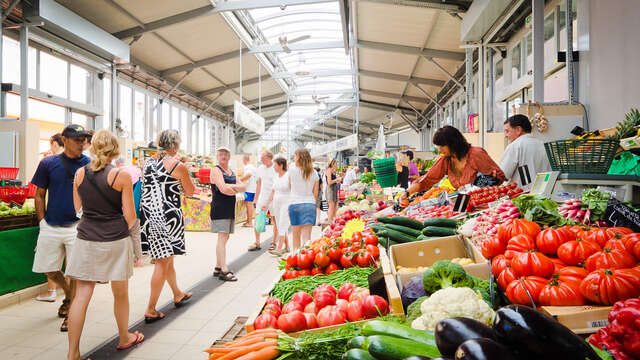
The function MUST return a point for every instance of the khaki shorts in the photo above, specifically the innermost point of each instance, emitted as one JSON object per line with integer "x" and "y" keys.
{"x": 101, "y": 260}
{"x": 54, "y": 244}
{"x": 225, "y": 226}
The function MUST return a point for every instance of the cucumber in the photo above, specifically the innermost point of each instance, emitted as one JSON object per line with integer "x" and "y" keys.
{"x": 399, "y": 236}
{"x": 357, "y": 354}
{"x": 439, "y": 231}
{"x": 422, "y": 237}
{"x": 442, "y": 222}
{"x": 402, "y": 221}
{"x": 376, "y": 226}
{"x": 358, "y": 342}
{"x": 391, "y": 242}
{"x": 384, "y": 347}
{"x": 382, "y": 241}
{"x": 404, "y": 229}
{"x": 381, "y": 327}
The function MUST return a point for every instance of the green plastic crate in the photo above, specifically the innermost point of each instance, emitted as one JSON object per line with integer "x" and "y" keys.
{"x": 581, "y": 156}
{"x": 382, "y": 164}
{"x": 387, "y": 180}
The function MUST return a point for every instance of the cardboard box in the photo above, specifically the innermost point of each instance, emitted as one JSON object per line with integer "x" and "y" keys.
{"x": 585, "y": 319}
{"x": 427, "y": 252}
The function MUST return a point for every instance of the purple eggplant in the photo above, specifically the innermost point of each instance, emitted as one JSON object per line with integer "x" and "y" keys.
{"x": 483, "y": 349}
{"x": 450, "y": 333}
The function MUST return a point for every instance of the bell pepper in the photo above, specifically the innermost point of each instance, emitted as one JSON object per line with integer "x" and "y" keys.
{"x": 624, "y": 326}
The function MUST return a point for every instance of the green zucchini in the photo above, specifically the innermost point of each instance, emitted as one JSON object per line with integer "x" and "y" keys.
{"x": 375, "y": 226}
{"x": 402, "y": 221}
{"x": 439, "y": 231}
{"x": 358, "y": 342}
{"x": 391, "y": 242}
{"x": 384, "y": 347}
{"x": 404, "y": 229}
{"x": 387, "y": 328}
{"x": 357, "y": 354}
{"x": 382, "y": 241}
{"x": 399, "y": 236}
{"x": 442, "y": 222}
{"x": 422, "y": 237}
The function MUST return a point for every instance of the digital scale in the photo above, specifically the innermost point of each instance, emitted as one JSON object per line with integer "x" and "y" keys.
{"x": 552, "y": 184}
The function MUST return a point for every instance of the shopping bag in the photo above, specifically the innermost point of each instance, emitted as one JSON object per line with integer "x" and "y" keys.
{"x": 261, "y": 222}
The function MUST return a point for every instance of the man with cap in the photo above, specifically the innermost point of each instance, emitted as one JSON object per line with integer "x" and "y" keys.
{"x": 57, "y": 217}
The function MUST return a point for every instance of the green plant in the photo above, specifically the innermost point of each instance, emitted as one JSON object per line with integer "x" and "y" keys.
{"x": 626, "y": 128}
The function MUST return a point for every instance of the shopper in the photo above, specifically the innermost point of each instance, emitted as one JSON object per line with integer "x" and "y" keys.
{"x": 57, "y": 216}
{"x": 402, "y": 166}
{"x": 104, "y": 250}
{"x": 304, "y": 191}
{"x": 460, "y": 161}
{"x": 279, "y": 202}
{"x": 332, "y": 188}
{"x": 351, "y": 176}
{"x": 161, "y": 219}
{"x": 414, "y": 174}
{"x": 136, "y": 180}
{"x": 264, "y": 184}
{"x": 249, "y": 177}
{"x": 224, "y": 187}
{"x": 525, "y": 156}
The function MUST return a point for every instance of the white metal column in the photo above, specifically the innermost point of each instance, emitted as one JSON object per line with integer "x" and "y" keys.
{"x": 538, "y": 49}
{"x": 24, "y": 72}
{"x": 114, "y": 99}
{"x": 482, "y": 106}
{"x": 468, "y": 62}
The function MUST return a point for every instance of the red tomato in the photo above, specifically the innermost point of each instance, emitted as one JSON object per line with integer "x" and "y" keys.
{"x": 323, "y": 299}
{"x": 506, "y": 277}
{"x": 572, "y": 275}
{"x": 359, "y": 294}
{"x": 335, "y": 254}
{"x": 613, "y": 231}
{"x": 344, "y": 243}
{"x": 632, "y": 244}
{"x": 302, "y": 298}
{"x": 608, "y": 286}
{"x": 578, "y": 230}
{"x": 354, "y": 311}
{"x": 609, "y": 259}
{"x": 342, "y": 304}
{"x": 599, "y": 236}
{"x": 371, "y": 240}
{"x": 364, "y": 259}
{"x": 316, "y": 271}
{"x": 346, "y": 290}
{"x": 330, "y": 315}
{"x": 322, "y": 259}
{"x": 292, "y": 260}
{"x": 292, "y": 306}
{"x": 331, "y": 268}
{"x": 265, "y": 320}
{"x": 290, "y": 274}
{"x": 292, "y": 322}
{"x": 498, "y": 264}
{"x": 616, "y": 244}
{"x": 304, "y": 272}
{"x": 272, "y": 308}
{"x": 275, "y": 301}
{"x": 558, "y": 293}
{"x": 557, "y": 264}
{"x": 356, "y": 237}
{"x": 516, "y": 289}
{"x": 515, "y": 227}
{"x": 311, "y": 320}
{"x": 323, "y": 288}
{"x": 548, "y": 240}
{"x": 576, "y": 251}
{"x": 519, "y": 244}
{"x": 346, "y": 260}
{"x": 374, "y": 251}
{"x": 493, "y": 247}
{"x": 310, "y": 308}
{"x": 374, "y": 306}
{"x": 305, "y": 260}
{"x": 532, "y": 263}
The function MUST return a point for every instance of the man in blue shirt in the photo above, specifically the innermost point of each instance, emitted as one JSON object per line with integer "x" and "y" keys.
{"x": 57, "y": 217}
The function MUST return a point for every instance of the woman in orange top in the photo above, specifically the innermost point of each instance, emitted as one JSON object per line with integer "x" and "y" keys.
{"x": 460, "y": 161}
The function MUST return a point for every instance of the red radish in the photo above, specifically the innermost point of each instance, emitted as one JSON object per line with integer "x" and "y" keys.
{"x": 311, "y": 320}
{"x": 354, "y": 311}
{"x": 265, "y": 320}
{"x": 373, "y": 306}
{"x": 310, "y": 308}
{"x": 302, "y": 298}
{"x": 291, "y": 306}
{"x": 346, "y": 290}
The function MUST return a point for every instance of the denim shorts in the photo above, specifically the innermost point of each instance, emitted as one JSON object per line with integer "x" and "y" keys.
{"x": 302, "y": 214}
{"x": 248, "y": 196}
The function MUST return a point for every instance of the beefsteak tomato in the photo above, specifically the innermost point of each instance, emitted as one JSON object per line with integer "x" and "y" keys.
{"x": 359, "y": 294}
{"x": 519, "y": 244}
{"x": 330, "y": 315}
{"x": 346, "y": 290}
{"x": 324, "y": 287}
{"x": 292, "y": 260}
{"x": 272, "y": 308}
{"x": 305, "y": 260}
{"x": 498, "y": 264}
{"x": 347, "y": 260}
{"x": 548, "y": 240}
{"x": 515, "y": 227}
{"x": 317, "y": 271}
{"x": 606, "y": 286}
{"x": 354, "y": 311}
{"x": 292, "y": 306}
{"x": 632, "y": 244}
{"x": 292, "y": 322}
{"x": 322, "y": 259}
{"x": 373, "y": 306}
{"x": 532, "y": 263}
{"x": 493, "y": 247}
{"x": 265, "y": 320}
{"x": 323, "y": 299}
{"x": 275, "y": 301}
{"x": 517, "y": 289}
{"x": 558, "y": 293}
{"x": 599, "y": 236}
{"x": 577, "y": 251}
{"x": 615, "y": 244}
{"x": 331, "y": 268}
{"x": 310, "y": 308}
{"x": 302, "y": 298}
{"x": 312, "y": 323}
{"x": 335, "y": 254}
{"x": 558, "y": 264}
{"x": 571, "y": 274}
{"x": 506, "y": 277}
{"x": 609, "y": 259}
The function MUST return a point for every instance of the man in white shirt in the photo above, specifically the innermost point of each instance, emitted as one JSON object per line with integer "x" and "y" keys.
{"x": 265, "y": 176}
{"x": 249, "y": 176}
{"x": 350, "y": 177}
{"x": 525, "y": 156}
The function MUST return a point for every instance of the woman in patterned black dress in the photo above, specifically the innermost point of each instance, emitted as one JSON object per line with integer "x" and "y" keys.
{"x": 161, "y": 219}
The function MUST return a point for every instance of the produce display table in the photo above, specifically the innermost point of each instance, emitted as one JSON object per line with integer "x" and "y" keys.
{"x": 196, "y": 212}
{"x": 17, "y": 249}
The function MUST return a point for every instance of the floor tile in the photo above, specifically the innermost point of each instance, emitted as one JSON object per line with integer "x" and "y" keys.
{"x": 19, "y": 352}
{"x": 190, "y": 352}
{"x": 169, "y": 336}
{"x": 204, "y": 339}
{"x": 155, "y": 351}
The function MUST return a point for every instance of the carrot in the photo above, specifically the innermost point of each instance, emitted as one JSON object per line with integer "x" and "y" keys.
{"x": 247, "y": 341}
{"x": 262, "y": 335}
{"x": 267, "y": 353}
{"x": 247, "y": 349}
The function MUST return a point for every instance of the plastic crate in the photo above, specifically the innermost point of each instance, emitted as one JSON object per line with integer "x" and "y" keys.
{"x": 11, "y": 194}
{"x": 383, "y": 164}
{"x": 581, "y": 156}
{"x": 7, "y": 173}
{"x": 387, "y": 180}
{"x": 31, "y": 190}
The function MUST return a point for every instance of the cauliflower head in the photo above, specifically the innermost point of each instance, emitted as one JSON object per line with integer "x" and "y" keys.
{"x": 452, "y": 302}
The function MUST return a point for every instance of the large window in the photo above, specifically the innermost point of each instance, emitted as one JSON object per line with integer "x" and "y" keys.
{"x": 194, "y": 135}
{"x": 207, "y": 139}
{"x": 80, "y": 119}
{"x": 124, "y": 113}
{"x": 138, "y": 116}
{"x": 166, "y": 117}
{"x": 516, "y": 63}
{"x": 80, "y": 84}
{"x": 499, "y": 80}
{"x": 106, "y": 100}
{"x": 548, "y": 27}
{"x": 529, "y": 58}
{"x": 154, "y": 125}
{"x": 53, "y": 75}
{"x": 201, "y": 137}
{"x": 175, "y": 118}
{"x": 38, "y": 110}
{"x": 11, "y": 62}
{"x": 183, "y": 130}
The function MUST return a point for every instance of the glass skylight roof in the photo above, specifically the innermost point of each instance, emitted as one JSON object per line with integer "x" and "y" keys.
{"x": 323, "y": 80}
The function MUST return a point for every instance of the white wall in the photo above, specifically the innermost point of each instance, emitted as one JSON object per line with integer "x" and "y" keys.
{"x": 408, "y": 138}
{"x": 609, "y": 67}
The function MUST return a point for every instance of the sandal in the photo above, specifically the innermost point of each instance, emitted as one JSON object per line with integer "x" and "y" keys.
{"x": 138, "y": 340}
{"x": 216, "y": 271}
{"x": 152, "y": 319}
{"x": 272, "y": 246}
{"x": 227, "y": 276}
{"x": 254, "y": 247}
{"x": 63, "y": 310}
{"x": 65, "y": 325}
{"x": 182, "y": 301}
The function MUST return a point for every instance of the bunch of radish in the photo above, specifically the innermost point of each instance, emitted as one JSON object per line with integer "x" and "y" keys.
{"x": 488, "y": 222}
{"x": 577, "y": 211}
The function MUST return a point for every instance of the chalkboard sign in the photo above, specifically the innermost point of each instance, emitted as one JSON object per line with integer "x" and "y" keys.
{"x": 619, "y": 214}
{"x": 376, "y": 283}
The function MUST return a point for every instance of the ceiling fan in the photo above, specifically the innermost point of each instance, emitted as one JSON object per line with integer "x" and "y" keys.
{"x": 284, "y": 42}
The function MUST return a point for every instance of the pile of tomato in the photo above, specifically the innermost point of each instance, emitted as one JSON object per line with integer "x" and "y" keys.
{"x": 490, "y": 194}
{"x": 421, "y": 213}
{"x": 564, "y": 266}
{"x": 328, "y": 255}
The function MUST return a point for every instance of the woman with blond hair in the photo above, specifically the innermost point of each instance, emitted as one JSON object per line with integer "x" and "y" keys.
{"x": 161, "y": 219}
{"x": 108, "y": 240}
{"x": 303, "y": 181}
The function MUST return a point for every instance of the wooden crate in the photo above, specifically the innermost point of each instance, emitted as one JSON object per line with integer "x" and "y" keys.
{"x": 18, "y": 221}
{"x": 585, "y": 319}
{"x": 255, "y": 313}
{"x": 236, "y": 331}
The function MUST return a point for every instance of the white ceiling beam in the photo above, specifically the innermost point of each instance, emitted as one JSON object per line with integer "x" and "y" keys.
{"x": 275, "y": 48}
{"x": 316, "y": 73}
{"x": 410, "y": 50}
{"x": 429, "y": 4}
{"x": 221, "y": 6}
{"x": 234, "y": 85}
{"x": 204, "y": 62}
{"x": 321, "y": 92}
{"x": 396, "y": 77}
{"x": 344, "y": 18}
{"x": 448, "y": 74}
{"x": 393, "y": 96}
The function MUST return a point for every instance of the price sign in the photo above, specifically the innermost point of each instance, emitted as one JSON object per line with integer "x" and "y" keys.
{"x": 462, "y": 202}
{"x": 525, "y": 175}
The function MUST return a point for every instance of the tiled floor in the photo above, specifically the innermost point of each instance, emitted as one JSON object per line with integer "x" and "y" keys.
{"x": 29, "y": 330}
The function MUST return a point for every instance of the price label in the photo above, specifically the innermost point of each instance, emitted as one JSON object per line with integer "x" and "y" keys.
{"x": 525, "y": 175}
{"x": 462, "y": 202}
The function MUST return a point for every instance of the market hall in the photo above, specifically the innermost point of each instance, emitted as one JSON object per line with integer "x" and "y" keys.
{"x": 367, "y": 179}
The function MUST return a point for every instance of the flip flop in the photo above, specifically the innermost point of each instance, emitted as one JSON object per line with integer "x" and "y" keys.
{"x": 254, "y": 247}
{"x": 216, "y": 271}
{"x": 138, "y": 340}
{"x": 182, "y": 301}
{"x": 247, "y": 226}
{"x": 152, "y": 319}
